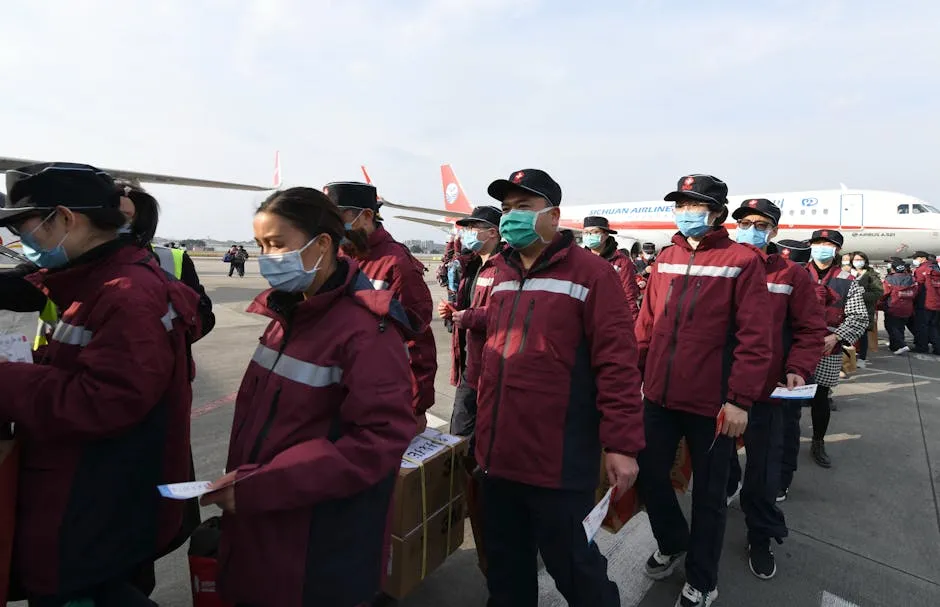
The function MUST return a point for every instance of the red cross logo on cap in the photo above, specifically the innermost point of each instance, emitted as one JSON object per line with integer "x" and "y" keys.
{"x": 326, "y": 190}
{"x": 786, "y": 253}
{"x": 687, "y": 184}
{"x": 824, "y": 233}
{"x": 752, "y": 203}
{"x": 518, "y": 177}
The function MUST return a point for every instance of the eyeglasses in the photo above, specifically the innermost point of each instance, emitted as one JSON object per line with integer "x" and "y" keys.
{"x": 16, "y": 228}
{"x": 760, "y": 226}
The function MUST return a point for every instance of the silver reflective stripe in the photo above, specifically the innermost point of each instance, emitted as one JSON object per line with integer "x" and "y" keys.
{"x": 550, "y": 285}
{"x": 297, "y": 370}
{"x": 167, "y": 319}
{"x": 714, "y": 271}
{"x": 774, "y": 287}
{"x": 165, "y": 257}
{"x": 486, "y": 281}
{"x": 72, "y": 335}
{"x": 379, "y": 285}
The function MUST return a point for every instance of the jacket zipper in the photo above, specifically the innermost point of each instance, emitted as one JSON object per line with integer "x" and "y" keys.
{"x": 272, "y": 412}
{"x": 525, "y": 326}
{"x": 675, "y": 329}
{"x": 499, "y": 376}
{"x": 698, "y": 285}
{"x": 672, "y": 283}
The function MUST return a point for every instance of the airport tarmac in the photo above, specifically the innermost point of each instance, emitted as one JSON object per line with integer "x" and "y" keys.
{"x": 865, "y": 532}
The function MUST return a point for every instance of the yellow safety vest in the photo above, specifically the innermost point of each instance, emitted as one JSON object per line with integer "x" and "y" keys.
{"x": 171, "y": 260}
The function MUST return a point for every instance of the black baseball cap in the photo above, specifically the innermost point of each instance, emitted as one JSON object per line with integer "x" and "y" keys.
{"x": 533, "y": 181}
{"x": 898, "y": 265}
{"x": 353, "y": 195}
{"x": 39, "y": 188}
{"x": 703, "y": 188}
{"x": 833, "y": 236}
{"x": 484, "y": 214}
{"x": 598, "y": 222}
{"x": 761, "y": 206}
{"x": 797, "y": 251}
{"x": 648, "y": 247}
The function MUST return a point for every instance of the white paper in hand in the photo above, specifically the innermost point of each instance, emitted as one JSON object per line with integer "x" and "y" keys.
{"x": 16, "y": 348}
{"x": 595, "y": 518}
{"x": 185, "y": 491}
{"x": 801, "y": 393}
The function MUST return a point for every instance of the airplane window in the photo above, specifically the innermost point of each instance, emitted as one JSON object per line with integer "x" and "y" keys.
{"x": 825, "y": 211}
{"x": 903, "y": 209}
{"x": 802, "y": 211}
{"x": 813, "y": 211}
{"x": 930, "y": 208}
{"x": 792, "y": 212}
{"x": 924, "y": 208}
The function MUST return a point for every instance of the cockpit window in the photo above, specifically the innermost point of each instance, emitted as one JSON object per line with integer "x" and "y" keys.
{"x": 904, "y": 209}
{"x": 925, "y": 208}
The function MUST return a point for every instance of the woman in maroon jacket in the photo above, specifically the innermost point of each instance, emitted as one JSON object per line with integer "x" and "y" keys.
{"x": 102, "y": 417}
{"x": 321, "y": 421}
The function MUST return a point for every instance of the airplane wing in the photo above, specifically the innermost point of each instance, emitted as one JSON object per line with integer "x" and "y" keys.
{"x": 7, "y": 164}
{"x": 447, "y": 227}
{"x": 438, "y": 212}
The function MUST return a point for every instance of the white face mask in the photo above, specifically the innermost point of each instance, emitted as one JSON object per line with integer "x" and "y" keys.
{"x": 286, "y": 272}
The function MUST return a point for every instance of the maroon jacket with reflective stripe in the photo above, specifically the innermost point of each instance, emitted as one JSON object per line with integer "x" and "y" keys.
{"x": 322, "y": 419}
{"x": 703, "y": 333}
{"x": 102, "y": 419}
{"x": 798, "y": 321}
{"x": 390, "y": 266}
{"x": 559, "y": 378}
{"x": 467, "y": 339}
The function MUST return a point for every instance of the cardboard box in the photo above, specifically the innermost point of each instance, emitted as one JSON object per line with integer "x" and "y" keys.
{"x": 625, "y": 507}
{"x": 423, "y": 550}
{"x": 431, "y": 476}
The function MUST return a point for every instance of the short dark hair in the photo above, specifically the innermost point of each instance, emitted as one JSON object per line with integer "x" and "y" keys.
{"x": 147, "y": 211}
{"x": 309, "y": 210}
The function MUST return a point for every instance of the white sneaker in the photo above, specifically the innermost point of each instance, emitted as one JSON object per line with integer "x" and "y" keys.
{"x": 903, "y": 350}
{"x": 690, "y": 597}
{"x": 862, "y": 364}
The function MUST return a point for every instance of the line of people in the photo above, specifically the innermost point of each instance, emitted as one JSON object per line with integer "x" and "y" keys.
{"x": 557, "y": 371}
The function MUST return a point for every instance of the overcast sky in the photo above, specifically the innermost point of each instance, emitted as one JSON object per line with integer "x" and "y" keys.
{"x": 615, "y": 99}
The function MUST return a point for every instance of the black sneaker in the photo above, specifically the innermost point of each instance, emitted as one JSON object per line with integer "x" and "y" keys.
{"x": 782, "y": 495}
{"x": 761, "y": 559}
{"x": 659, "y": 566}
{"x": 691, "y": 597}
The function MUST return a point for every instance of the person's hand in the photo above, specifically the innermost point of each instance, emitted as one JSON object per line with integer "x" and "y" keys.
{"x": 457, "y": 316}
{"x": 794, "y": 381}
{"x": 831, "y": 341}
{"x": 735, "y": 420}
{"x": 422, "y": 423}
{"x": 621, "y": 472}
{"x": 224, "y": 498}
{"x": 444, "y": 310}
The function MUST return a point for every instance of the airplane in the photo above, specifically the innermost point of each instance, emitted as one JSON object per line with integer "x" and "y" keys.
{"x": 880, "y": 223}
{"x": 9, "y": 243}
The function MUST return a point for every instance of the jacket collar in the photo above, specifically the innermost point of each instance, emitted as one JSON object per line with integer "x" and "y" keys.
{"x": 347, "y": 280}
{"x": 63, "y": 285}
{"x": 711, "y": 240}
{"x": 610, "y": 248}
{"x": 379, "y": 236}
{"x": 834, "y": 271}
{"x": 554, "y": 253}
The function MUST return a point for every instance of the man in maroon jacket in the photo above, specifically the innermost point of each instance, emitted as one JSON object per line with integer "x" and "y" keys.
{"x": 598, "y": 238}
{"x": 391, "y": 266}
{"x": 558, "y": 385}
{"x": 799, "y": 331}
{"x": 703, "y": 340}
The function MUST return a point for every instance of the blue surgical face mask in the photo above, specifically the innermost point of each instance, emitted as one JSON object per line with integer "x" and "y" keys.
{"x": 858, "y": 264}
{"x": 471, "y": 240}
{"x": 53, "y": 258}
{"x": 692, "y": 224}
{"x": 349, "y": 224}
{"x": 822, "y": 253}
{"x": 592, "y": 240}
{"x": 751, "y": 236}
{"x": 518, "y": 227}
{"x": 286, "y": 272}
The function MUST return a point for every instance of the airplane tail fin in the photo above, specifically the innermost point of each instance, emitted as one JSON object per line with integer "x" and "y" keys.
{"x": 365, "y": 174}
{"x": 455, "y": 199}
{"x": 277, "y": 170}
